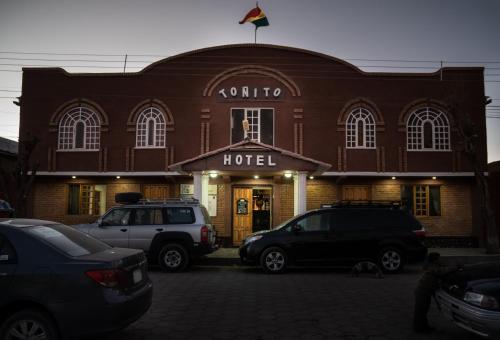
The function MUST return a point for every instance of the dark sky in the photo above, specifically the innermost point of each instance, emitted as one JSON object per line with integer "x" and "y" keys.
{"x": 434, "y": 30}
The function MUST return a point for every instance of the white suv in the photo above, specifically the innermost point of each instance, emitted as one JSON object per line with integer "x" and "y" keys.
{"x": 172, "y": 232}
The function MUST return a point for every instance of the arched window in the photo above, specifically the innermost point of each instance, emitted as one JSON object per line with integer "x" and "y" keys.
{"x": 79, "y": 129}
{"x": 150, "y": 129}
{"x": 428, "y": 129}
{"x": 360, "y": 129}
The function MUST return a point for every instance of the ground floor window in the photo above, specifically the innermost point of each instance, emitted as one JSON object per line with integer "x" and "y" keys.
{"x": 422, "y": 200}
{"x": 86, "y": 199}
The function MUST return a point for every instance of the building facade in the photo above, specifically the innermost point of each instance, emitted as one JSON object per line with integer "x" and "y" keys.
{"x": 258, "y": 133}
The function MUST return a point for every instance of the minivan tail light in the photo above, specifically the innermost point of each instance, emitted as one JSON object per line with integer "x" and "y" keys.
{"x": 109, "y": 278}
{"x": 204, "y": 234}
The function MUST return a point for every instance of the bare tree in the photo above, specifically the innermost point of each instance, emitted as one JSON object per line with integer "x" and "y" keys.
{"x": 22, "y": 177}
{"x": 469, "y": 134}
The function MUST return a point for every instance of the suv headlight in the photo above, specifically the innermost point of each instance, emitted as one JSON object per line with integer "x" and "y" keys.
{"x": 484, "y": 301}
{"x": 253, "y": 239}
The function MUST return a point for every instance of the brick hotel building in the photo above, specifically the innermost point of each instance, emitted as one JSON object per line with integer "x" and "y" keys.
{"x": 316, "y": 130}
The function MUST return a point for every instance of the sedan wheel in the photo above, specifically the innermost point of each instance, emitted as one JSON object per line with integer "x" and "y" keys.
{"x": 28, "y": 325}
{"x": 391, "y": 260}
{"x": 274, "y": 260}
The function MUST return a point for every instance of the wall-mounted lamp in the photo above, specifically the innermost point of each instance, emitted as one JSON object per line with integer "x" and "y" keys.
{"x": 288, "y": 174}
{"x": 434, "y": 177}
{"x": 256, "y": 176}
{"x": 117, "y": 177}
{"x": 73, "y": 177}
{"x": 213, "y": 174}
{"x": 393, "y": 177}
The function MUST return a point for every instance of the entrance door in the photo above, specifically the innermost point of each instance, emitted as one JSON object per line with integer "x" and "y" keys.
{"x": 242, "y": 214}
{"x": 356, "y": 193}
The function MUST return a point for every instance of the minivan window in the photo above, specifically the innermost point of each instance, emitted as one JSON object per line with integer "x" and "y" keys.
{"x": 68, "y": 240}
{"x": 179, "y": 215}
{"x": 314, "y": 222}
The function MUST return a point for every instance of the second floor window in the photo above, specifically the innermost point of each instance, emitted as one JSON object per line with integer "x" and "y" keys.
{"x": 360, "y": 129}
{"x": 260, "y": 125}
{"x": 79, "y": 130}
{"x": 150, "y": 129}
{"x": 428, "y": 129}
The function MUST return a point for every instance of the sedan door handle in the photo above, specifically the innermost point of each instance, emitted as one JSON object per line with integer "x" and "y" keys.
{"x": 159, "y": 229}
{"x": 124, "y": 230}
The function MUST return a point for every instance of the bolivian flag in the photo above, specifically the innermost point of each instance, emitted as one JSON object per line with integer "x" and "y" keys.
{"x": 257, "y": 17}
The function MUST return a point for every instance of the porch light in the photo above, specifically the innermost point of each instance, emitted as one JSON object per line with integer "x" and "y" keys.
{"x": 311, "y": 177}
{"x": 393, "y": 177}
{"x": 434, "y": 177}
{"x": 256, "y": 176}
{"x": 288, "y": 174}
{"x": 213, "y": 174}
{"x": 73, "y": 177}
{"x": 117, "y": 177}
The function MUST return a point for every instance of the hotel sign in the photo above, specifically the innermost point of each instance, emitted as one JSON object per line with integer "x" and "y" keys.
{"x": 247, "y": 92}
{"x": 244, "y": 160}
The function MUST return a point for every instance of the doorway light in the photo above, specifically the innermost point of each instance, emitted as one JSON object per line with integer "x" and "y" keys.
{"x": 73, "y": 177}
{"x": 311, "y": 177}
{"x": 213, "y": 174}
{"x": 393, "y": 177}
{"x": 434, "y": 177}
{"x": 117, "y": 177}
{"x": 256, "y": 176}
{"x": 288, "y": 174}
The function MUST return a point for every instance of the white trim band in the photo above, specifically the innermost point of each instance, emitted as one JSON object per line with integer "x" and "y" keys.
{"x": 399, "y": 174}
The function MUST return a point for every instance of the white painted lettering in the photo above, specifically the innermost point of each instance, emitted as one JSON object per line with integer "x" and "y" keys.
{"x": 233, "y": 91}
{"x": 270, "y": 161}
{"x": 277, "y": 92}
{"x": 260, "y": 160}
{"x": 249, "y": 158}
{"x": 266, "y": 91}
{"x": 244, "y": 92}
{"x": 238, "y": 159}
{"x": 222, "y": 92}
{"x": 227, "y": 159}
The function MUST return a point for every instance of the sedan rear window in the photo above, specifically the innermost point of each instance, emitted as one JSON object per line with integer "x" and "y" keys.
{"x": 68, "y": 240}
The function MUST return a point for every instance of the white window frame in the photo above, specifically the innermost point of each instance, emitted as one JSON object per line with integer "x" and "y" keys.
{"x": 91, "y": 131}
{"x": 369, "y": 129}
{"x": 415, "y": 133}
{"x": 142, "y": 131}
{"x": 245, "y": 109}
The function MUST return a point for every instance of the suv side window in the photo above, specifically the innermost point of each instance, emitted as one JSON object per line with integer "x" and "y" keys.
{"x": 349, "y": 219}
{"x": 7, "y": 253}
{"x": 314, "y": 222}
{"x": 180, "y": 215}
{"x": 148, "y": 216}
{"x": 117, "y": 217}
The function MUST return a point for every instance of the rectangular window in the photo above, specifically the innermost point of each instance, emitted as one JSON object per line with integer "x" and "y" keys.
{"x": 422, "y": 200}
{"x": 86, "y": 199}
{"x": 180, "y": 215}
{"x": 260, "y": 127}
{"x": 148, "y": 216}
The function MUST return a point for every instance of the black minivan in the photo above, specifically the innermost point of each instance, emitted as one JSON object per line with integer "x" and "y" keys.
{"x": 340, "y": 235}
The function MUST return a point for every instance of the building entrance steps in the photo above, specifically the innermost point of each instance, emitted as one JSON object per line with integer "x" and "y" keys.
{"x": 230, "y": 257}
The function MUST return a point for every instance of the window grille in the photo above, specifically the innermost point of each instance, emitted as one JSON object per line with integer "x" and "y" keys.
{"x": 253, "y": 117}
{"x": 151, "y": 129}
{"x": 79, "y": 129}
{"x": 360, "y": 129}
{"x": 428, "y": 129}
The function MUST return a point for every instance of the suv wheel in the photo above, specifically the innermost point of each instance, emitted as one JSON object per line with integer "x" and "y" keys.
{"x": 29, "y": 324}
{"x": 173, "y": 258}
{"x": 273, "y": 260}
{"x": 391, "y": 260}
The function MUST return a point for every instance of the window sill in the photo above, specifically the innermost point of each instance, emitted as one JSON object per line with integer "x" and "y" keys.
{"x": 429, "y": 150}
{"x": 77, "y": 150}
{"x": 149, "y": 147}
{"x": 360, "y": 148}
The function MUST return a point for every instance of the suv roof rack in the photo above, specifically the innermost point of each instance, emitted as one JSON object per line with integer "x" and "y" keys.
{"x": 363, "y": 204}
{"x": 169, "y": 200}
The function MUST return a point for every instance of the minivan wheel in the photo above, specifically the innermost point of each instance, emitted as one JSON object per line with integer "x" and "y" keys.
{"x": 29, "y": 324}
{"x": 173, "y": 258}
{"x": 273, "y": 260}
{"x": 391, "y": 260}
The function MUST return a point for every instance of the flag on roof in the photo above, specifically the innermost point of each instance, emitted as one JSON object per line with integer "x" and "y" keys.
{"x": 256, "y": 16}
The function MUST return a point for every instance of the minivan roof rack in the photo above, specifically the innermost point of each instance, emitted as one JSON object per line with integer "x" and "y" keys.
{"x": 363, "y": 203}
{"x": 179, "y": 200}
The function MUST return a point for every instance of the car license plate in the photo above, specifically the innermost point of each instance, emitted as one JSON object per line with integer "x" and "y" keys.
{"x": 137, "y": 275}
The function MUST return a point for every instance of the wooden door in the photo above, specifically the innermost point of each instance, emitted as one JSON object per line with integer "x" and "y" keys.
{"x": 356, "y": 193}
{"x": 155, "y": 192}
{"x": 242, "y": 214}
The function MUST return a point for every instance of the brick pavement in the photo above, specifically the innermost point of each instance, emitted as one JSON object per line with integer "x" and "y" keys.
{"x": 243, "y": 303}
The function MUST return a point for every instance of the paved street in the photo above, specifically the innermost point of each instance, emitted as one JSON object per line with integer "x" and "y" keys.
{"x": 243, "y": 303}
